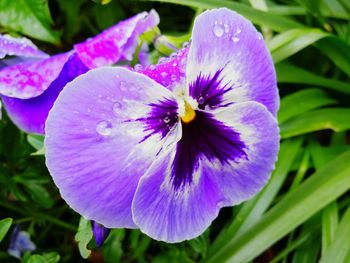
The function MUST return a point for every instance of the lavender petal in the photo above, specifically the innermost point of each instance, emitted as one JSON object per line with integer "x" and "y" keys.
{"x": 224, "y": 40}
{"x": 95, "y": 147}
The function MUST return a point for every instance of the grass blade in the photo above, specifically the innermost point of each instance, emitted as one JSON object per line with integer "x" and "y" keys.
{"x": 325, "y": 186}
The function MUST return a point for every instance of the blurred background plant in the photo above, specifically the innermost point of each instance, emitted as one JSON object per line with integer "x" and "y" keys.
{"x": 302, "y": 215}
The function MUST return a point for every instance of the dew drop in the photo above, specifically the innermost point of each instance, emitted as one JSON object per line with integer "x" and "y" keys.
{"x": 186, "y": 44}
{"x": 104, "y": 128}
{"x": 218, "y": 30}
{"x": 163, "y": 60}
{"x": 164, "y": 74}
{"x": 238, "y": 31}
{"x": 166, "y": 119}
{"x": 152, "y": 67}
{"x": 226, "y": 28}
{"x": 173, "y": 77}
{"x": 201, "y": 100}
{"x": 117, "y": 107}
{"x": 138, "y": 67}
{"x": 235, "y": 39}
{"x": 123, "y": 86}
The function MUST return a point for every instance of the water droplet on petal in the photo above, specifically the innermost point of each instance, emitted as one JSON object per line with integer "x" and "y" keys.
{"x": 152, "y": 67}
{"x": 123, "y": 86}
{"x": 104, "y": 128}
{"x": 173, "y": 77}
{"x": 235, "y": 39}
{"x": 164, "y": 74}
{"x": 117, "y": 107}
{"x": 186, "y": 44}
{"x": 226, "y": 28}
{"x": 201, "y": 100}
{"x": 218, "y": 30}
{"x": 166, "y": 119}
{"x": 138, "y": 67}
{"x": 238, "y": 31}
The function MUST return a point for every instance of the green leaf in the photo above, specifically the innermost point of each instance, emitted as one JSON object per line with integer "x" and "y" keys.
{"x": 340, "y": 247}
{"x": 37, "y": 259}
{"x": 329, "y": 225}
{"x": 275, "y": 22}
{"x": 308, "y": 251}
{"x": 323, "y": 187}
{"x": 200, "y": 244}
{"x": 36, "y": 140}
{"x": 40, "y": 195}
{"x": 307, "y": 234}
{"x": 83, "y": 237}
{"x": 337, "y": 50}
{"x": 336, "y": 119}
{"x": 287, "y": 73}
{"x": 290, "y": 42}
{"x": 112, "y": 248}
{"x": 5, "y": 225}
{"x": 302, "y": 101}
{"x": 52, "y": 257}
{"x": 29, "y": 17}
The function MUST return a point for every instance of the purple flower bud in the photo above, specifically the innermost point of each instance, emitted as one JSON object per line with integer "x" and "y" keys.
{"x": 100, "y": 233}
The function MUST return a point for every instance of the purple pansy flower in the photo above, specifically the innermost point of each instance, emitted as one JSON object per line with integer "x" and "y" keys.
{"x": 163, "y": 151}
{"x": 29, "y": 89}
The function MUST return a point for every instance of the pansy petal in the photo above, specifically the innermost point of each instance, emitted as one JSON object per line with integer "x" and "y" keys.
{"x": 99, "y": 141}
{"x": 170, "y": 213}
{"x": 227, "y": 50}
{"x": 120, "y": 40}
{"x": 259, "y": 131}
{"x": 170, "y": 71}
{"x": 30, "y": 114}
{"x": 30, "y": 79}
{"x": 19, "y": 47}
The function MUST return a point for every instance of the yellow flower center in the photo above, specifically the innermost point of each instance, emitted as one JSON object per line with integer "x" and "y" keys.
{"x": 189, "y": 115}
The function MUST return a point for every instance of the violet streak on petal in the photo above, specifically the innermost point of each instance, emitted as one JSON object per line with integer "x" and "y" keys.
{"x": 22, "y": 47}
{"x": 161, "y": 119}
{"x": 204, "y": 137}
{"x": 209, "y": 91}
{"x": 246, "y": 64}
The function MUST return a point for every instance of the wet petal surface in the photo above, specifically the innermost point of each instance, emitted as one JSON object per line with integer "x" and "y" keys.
{"x": 225, "y": 41}
{"x": 30, "y": 114}
{"x": 30, "y": 79}
{"x": 96, "y": 142}
{"x": 119, "y": 41}
{"x": 22, "y": 47}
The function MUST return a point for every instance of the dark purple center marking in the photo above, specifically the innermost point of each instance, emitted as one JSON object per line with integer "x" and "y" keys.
{"x": 209, "y": 90}
{"x": 204, "y": 137}
{"x": 161, "y": 118}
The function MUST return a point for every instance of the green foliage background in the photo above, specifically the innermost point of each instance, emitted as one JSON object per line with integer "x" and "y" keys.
{"x": 302, "y": 215}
